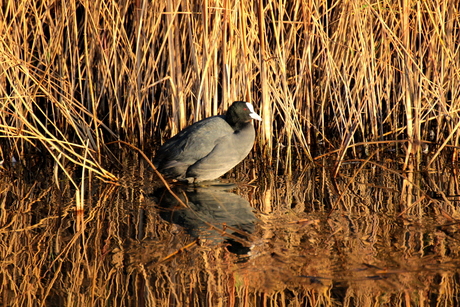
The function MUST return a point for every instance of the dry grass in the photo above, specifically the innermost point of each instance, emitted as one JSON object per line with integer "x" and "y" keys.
{"x": 76, "y": 75}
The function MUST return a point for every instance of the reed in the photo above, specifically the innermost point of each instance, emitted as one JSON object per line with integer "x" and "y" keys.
{"x": 76, "y": 75}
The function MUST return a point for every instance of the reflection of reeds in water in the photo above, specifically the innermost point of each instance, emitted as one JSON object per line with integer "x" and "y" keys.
{"x": 366, "y": 249}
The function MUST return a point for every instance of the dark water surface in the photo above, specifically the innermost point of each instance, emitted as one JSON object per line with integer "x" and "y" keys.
{"x": 371, "y": 236}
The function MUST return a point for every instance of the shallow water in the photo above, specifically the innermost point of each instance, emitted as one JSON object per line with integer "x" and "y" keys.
{"x": 360, "y": 239}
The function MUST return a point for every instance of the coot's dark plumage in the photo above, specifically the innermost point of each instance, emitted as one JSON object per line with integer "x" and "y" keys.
{"x": 209, "y": 148}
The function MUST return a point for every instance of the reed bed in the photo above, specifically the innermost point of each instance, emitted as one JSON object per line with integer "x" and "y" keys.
{"x": 338, "y": 83}
{"x": 76, "y": 75}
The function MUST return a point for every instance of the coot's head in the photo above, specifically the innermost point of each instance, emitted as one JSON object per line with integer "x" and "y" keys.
{"x": 240, "y": 113}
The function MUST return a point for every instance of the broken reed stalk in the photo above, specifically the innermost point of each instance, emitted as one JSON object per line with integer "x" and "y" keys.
{"x": 77, "y": 75}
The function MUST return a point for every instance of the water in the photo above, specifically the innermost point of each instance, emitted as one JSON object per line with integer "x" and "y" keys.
{"x": 360, "y": 239}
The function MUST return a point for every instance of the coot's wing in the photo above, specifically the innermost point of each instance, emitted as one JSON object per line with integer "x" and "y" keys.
{"x": 190, "y": 145}
{"x": 229, "y": 150}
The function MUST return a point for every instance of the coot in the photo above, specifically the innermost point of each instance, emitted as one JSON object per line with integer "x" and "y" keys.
{"x": 209, "y": 148}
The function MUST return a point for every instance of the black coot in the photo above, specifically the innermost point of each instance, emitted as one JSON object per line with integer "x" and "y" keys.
{"x": 209, "y": 148}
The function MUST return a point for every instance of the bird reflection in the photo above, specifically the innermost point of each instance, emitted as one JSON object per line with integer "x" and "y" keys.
{"x": 213, "y": 214}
